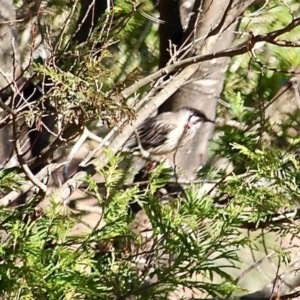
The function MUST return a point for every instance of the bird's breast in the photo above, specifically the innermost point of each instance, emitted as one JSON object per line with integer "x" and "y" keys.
{"x": 176, "y": 136}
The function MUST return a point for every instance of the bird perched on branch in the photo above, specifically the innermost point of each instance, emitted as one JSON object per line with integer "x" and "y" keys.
{"x": 168, "y": 131}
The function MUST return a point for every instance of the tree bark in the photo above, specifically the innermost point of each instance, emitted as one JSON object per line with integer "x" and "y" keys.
{"x": 214, "y": 32}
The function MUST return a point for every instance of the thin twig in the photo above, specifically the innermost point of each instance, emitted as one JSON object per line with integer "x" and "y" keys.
{"x": 21, "y": 160}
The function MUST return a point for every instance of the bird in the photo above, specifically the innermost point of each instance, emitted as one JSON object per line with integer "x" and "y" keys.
{"x": 166, "y": 132}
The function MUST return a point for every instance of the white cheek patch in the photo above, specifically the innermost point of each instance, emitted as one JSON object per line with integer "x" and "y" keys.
{"x": 194, "y": 119}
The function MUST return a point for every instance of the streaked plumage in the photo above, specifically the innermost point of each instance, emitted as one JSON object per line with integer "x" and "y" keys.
{"x": 168, "y": 131}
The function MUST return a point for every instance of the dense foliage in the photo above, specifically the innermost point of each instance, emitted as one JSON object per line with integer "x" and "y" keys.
{"x": 194, "y": 237}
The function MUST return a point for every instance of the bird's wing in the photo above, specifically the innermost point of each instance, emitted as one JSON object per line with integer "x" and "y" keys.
{"x": 153, "y": 132}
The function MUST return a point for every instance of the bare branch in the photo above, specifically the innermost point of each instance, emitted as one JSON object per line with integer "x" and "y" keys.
{"x": 231, "y": 52}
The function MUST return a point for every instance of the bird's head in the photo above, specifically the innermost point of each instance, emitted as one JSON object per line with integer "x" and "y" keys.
{"x": 194, "y": 117}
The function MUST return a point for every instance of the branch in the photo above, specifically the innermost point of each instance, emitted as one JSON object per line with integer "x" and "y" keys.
{"x": 190, "y": 65}
{"x": 70, "y": 133}
{"x": 21, "y": 160}
{"x": 85, "y": 135}
{"x": 231, "y": 52}
{"x": 68, "y": 188}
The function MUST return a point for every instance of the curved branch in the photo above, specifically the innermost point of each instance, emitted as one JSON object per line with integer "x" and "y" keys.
{"x": 231, "y": 52}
